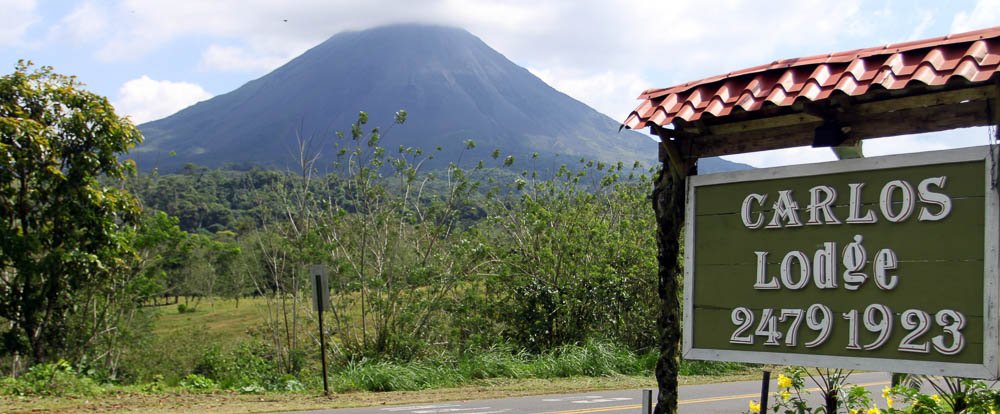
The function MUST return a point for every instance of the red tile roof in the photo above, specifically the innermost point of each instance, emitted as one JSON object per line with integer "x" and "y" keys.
{"x": 974, "y": 56}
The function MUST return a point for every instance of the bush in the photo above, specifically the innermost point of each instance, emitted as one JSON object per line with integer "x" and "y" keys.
{"x": 197, "y": 382}
{"x": 170, "y": 357}
{"x": 50, "y": 379}
{"x": 249, "y": 364}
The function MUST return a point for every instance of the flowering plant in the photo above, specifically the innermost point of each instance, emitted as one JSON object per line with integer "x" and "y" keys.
{"x": 953, "y": 396}
{"x": 789, "y": 398}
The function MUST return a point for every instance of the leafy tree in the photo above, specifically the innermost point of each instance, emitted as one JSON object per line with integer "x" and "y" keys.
{"x": 60, "y": 240}
{"x": 575, "y": 258}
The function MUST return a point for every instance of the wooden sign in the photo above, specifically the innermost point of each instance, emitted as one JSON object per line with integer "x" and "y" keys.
{"x": 885, "y": 263}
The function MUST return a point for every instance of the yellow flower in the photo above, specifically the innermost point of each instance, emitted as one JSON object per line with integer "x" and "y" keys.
{"x": 888, "y": 401}
{"x": 785, "y": 395}
{"x": 874, "y": 410}
{"x": 754, "y": 406}
{"x": 853, "y": 411}
{"x": 886, "y": 391}
{"x": 784, "y": 382}
{"x": 936, "y": 398}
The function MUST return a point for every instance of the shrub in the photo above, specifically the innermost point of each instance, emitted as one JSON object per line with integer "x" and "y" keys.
{"x": 197, "y": 382}
{"x": 50, "y": 379}
{"x": 250, "y": 363}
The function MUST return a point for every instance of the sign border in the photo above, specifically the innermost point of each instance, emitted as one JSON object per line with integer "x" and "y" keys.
{"x": 989, "y": 369}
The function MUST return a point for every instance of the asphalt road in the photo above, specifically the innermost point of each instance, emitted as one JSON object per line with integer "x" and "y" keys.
{"x": 726, "y": 398}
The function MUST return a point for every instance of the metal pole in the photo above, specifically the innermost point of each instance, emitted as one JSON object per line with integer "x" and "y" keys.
{"x": 322, "y": 337}
{"x": 765, "y": 383}
{"x": 647, "y": 401}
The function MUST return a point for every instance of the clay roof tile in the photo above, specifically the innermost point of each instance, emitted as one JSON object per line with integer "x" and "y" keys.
{"x": 974, "y": 56}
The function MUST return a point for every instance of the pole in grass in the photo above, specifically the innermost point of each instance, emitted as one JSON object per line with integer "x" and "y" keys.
{"x": 764, "y": 384}
{"x": 321, "y": 302}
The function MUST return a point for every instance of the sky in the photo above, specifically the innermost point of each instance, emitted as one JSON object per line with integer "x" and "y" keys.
{"x": 152, "y": 58}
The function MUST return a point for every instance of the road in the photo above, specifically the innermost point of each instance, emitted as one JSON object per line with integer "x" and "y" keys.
{"x": 725, "y": 398}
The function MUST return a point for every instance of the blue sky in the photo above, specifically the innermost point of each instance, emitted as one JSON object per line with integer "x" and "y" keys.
{"x": 153, "y": 57}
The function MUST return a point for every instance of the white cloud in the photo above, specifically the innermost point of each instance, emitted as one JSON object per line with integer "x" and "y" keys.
{"x": 85, "y": 23}
{"x": 986, "y": 13}
{"x": 145, "y": 99}
{"x": 238, "y": 59}
{"x": 955, "y": 138}
{"x": 788, "y": 156}
{"x": 926, "y": 19}
{"x": 612, "y": 93}
{"x": 903, "y": 144}
{"x": 602, "y": 53}
{"x": 15, "y": 19}
{"x": 590, "y": 36}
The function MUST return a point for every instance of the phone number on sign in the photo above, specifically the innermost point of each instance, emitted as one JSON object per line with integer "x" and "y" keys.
{"x": 877, "y": 319}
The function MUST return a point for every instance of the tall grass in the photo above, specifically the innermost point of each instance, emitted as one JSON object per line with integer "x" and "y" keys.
{"x": 247, "y": 369}
{"x": 593, "y": 359}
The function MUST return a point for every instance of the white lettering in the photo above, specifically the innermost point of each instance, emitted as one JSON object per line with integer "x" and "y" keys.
{"x": 854, "y": 260}
{"x": 821, "y": 207}
{"x": 762, "y": 274}
{"x": 745, "y": 211}
{"x": 885, "y": 260}
{"x": 786, "y": 270}
{"x": 855, "y": 216}
{"x": 825, "y": 266}
{"x": 785, "y": 209}
{"x": 928, "y": 196}
{"x": 906, "y": 204}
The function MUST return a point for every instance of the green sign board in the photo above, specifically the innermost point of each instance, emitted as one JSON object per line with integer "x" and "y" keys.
{"x": 885, "y": 263}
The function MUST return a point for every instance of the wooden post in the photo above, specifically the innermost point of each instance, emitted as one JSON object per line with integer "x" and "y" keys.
{"x": 668, "y": 204}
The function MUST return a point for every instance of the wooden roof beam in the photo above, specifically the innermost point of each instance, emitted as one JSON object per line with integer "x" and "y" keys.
{"x": 862, "y": 125}
{"x": 808, "y": 112}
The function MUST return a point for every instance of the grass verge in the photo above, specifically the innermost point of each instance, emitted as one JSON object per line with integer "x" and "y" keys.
{"x": 172, "y": 401}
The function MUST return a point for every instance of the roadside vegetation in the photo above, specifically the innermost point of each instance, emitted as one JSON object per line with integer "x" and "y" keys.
{"x": 114, "y": 281}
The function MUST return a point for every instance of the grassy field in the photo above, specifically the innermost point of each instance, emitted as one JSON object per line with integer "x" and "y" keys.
{"x": 180, "y": 338}
{"x": 223, "y": 321}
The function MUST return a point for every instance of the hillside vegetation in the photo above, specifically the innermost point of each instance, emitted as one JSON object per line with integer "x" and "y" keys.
{"x": 509, "y": 269}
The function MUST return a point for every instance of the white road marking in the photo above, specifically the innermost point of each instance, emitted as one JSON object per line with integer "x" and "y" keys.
{"x": 585, "y": 397}
{"x": 449, "y": 410}
{"x": 601, "y": 400}
{"x": 419, "y": 407}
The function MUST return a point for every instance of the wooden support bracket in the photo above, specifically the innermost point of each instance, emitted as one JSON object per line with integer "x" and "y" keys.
{"x": 670, "y": 155}
{"x": 674, "y": 159}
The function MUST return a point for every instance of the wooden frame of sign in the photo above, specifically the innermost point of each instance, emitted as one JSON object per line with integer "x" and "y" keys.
{"x": 802, "y": 265}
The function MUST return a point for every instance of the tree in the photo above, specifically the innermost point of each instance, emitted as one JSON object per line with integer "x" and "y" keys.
{"x": 574, "y": 256}
{"x": 60, "y": 239}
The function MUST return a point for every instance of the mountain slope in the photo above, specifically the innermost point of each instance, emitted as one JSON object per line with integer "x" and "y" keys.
{"x": 453, "y": 86}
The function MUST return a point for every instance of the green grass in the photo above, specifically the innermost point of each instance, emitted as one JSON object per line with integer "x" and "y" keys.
{"x": 182, "y": 342}
{"x": 221, "y": 318}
